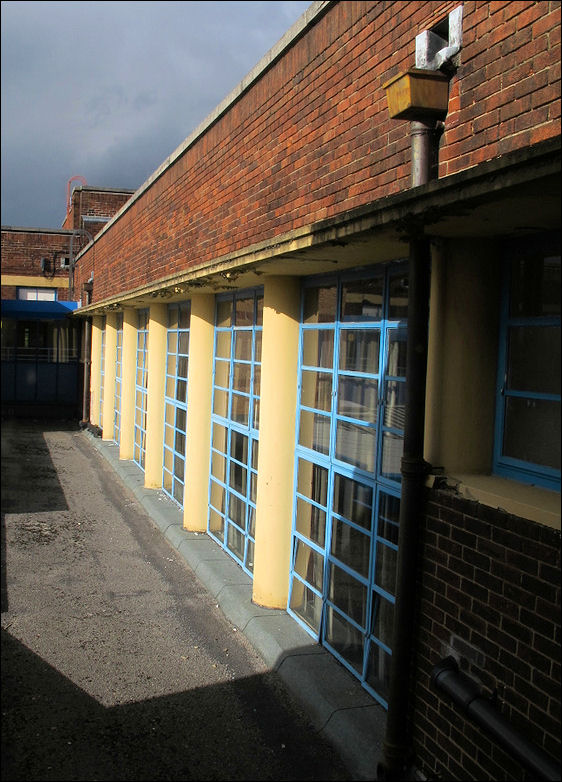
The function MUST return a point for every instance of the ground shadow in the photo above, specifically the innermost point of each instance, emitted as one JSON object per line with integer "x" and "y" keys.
{"x": 30, "y": 483}
{"x": 237, "y": 730}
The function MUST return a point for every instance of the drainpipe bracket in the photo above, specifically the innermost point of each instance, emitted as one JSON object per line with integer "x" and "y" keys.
{"x": 413, "y": 466}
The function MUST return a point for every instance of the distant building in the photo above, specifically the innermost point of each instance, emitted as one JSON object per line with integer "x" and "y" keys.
{"x": 328, "y": 327}
{"x": 41, "y": 371}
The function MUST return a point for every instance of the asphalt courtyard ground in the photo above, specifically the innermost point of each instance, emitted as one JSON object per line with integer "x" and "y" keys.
{"x": 117, "y": 663}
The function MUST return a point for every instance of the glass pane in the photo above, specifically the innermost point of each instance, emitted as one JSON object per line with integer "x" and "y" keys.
{"x": 180, "y": 419}
{"x": 172, "y": 342}
{"x": 220, "y": 403}
{"x": 311, "y": 522}
{"x": 180, "y": 443}
{"x": 240, "y": 409}
{"x": 222, "y": 370}
{"x": 316, "y": 390}
{"x": 216, "y": 524}
{"x": 241, "y": 377}
{"x": 182, "y": 366}
{"x": 353, "y": 501}
{"x": 309, "y": 564}
{"x": 244, "y": 312}
{"x": 218, "y": 466}
{"x": 251, "y": 521}
{"x": 314, "y": 432}
{"x": 362, "y": 299}
{"x": 398, "y": 304}
{"x": 359, "y": 350}
{"x": 535, "y": 287}
{"x": 235, "y": 542}
{"x": 306, "y": 604}
{"x": 217, "y": 496}
{"x": 250, "y": 556}
{"x": 257, "y": 379}
{"x": 345, "y": 639}
{"x": 351, "y": 546}
{"x": 239, "y": 447}
{"x": 389, "y": 517}
{"x": 170, "y": 387}
{"x": 254, "y": 455}
{"x": 356, "y": 445}
{"x": 396, "y": 353}
{"x": 237, "y": 510}
{"x": 378, "y": 670}
{"x": 534, "y": 359}
{"x": 178, "y": 492}
{"x": 238, "y": 478}
{"x": 318, "y": 348}
{"x": 243, "y": 345}
{"x": 348, "y": 594}
{"x": 357, "y": 398}
{"x": 178, "y": 468}
{"x": 223, "y": 344}
{"x": 383, "y": 619}
{"x": 256, "y": 420}
{"x": 392, "y": 448}
{"x": 313, "y": 481}
{"x": 184, "y": 316}
{"x": 259, "y": 310}
{"x": 532, "y": 431}
{"x": 385, "y": 568}
{"x": 224, "y": 313}
{"x": 395, "y": 404}
{"x": 219, "y": 437}
{"x": 181, "y": 391}
{"x": 183, "y": 346}
{"x": 253, "y": 486}
{"x": 319, "y": 305}
{"x": 257, "y": 346}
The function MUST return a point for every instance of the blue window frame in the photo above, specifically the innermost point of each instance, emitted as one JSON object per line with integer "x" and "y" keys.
{"x": 102, "y": 372}
{"x": 527, "y": 440}
{"x": 351, "y": 396}
{"x": 235, "y": 424}
{"x": 175, "y": 401}
{"x": 118, "y": 376}
{"x": 141, "y": 390}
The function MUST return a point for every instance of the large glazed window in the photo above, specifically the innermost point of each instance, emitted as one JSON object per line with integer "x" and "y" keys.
{"x": 347, "y": 473}
{"x": 175, "y": 400}
{"x": 118, "y": 376}
{"x": 141, "y": 389}
{"x": 235, "y": 424}
{"x": 527, "y": 445}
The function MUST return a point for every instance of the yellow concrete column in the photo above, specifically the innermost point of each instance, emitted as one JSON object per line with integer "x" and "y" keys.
{"x": 435, "y": 378}
{"x": 199, "y": 399}
{"x": 274, "y": 503}
{"x": 128, "y": 370}
{"x": 97, "y": 327}
{"x": 109, "y": 375}
{"x": 157, "y": 331}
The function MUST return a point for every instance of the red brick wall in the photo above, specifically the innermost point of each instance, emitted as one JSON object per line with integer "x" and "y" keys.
{"x": 312, "y": 138}
{"x": 93, "y": 203}
{"x": 490, "y": 588}
{"x": 21, "y": 255}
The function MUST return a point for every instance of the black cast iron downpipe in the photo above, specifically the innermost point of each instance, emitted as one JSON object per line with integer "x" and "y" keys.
{"x": 466, "y": 693}
{"x": 414, "y": 469}
{"x": 397, "y": 743}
